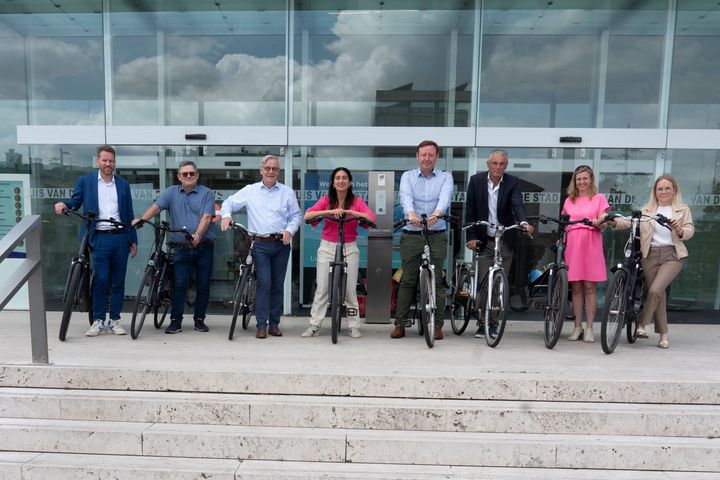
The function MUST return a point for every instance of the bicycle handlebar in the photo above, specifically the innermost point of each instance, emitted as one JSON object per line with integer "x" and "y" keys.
{"x": 563, "y": 220}
{"x": 243, "y": 228}
{"x": 423, "y": 220}
{"x": 342, "y": 219}
{"x": 90, "y": 217}
{"x": 637, "y": 214}
{"x": 164, "y": 226}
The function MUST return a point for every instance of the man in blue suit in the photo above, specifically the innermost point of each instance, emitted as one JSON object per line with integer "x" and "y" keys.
{"x": 108, "y": 196}
{"x": 494, "y": 197}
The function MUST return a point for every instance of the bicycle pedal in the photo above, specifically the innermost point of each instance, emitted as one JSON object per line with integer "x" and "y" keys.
{"x": 351, "y": 312}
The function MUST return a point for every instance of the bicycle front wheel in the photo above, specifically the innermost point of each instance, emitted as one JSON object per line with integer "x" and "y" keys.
{"x": 336, "y": 302}
{"x": 497, "y": 315}
{"x": 238, "y": 301}
{"x": 427, "y": 314}
{"x": 143, "y": 302}
{"x": 162, "y": 297}
{"x": 556, "y": 306}
{"x": 248, "y": 301}
{"x": 461, "y": 305}
{"x": 76, "y": 271}
{"x": 614, "y": 311}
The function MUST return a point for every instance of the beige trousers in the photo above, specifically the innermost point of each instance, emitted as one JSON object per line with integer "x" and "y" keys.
{"x": 325, "y": 255}
{"x": 660, "y": 268}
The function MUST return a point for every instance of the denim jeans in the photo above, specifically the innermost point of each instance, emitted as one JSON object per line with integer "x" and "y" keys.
{"x": 271, "y": 259}
{"x": 184, "y": 260}
{"x": 110, "y": 257}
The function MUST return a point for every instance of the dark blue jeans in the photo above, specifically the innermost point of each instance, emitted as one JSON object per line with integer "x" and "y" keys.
{"x": 271, "y": 259}
{"x": 110, "y": 256}
{"x": 184, "y": 260}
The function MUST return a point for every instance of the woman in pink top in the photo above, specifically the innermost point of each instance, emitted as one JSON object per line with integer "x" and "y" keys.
{"x": 584, "y": 253}
{"x": 339, "y": 200}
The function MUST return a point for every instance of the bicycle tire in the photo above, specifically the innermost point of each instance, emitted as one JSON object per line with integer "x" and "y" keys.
{"x": 72, "y": 292}
{"x": 556, "y": 306}
{"x": 89, "y": 274}
{"x": 143, "y": 302}
{"x": 614, "y": 311}
{"x": 162, "y": 300}
{"x": 237, "y": 301}
{"x": 427, "y": 315}
{"x": 335, "y": 302}
{"x": 499, "y": 297}
{"x": 249, "y": 302}
{"x": 461, "y": 306}
{"x": 632, "y": 324}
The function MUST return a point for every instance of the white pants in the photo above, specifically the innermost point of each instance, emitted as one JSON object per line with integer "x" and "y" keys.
{"x": 325, "y": 255}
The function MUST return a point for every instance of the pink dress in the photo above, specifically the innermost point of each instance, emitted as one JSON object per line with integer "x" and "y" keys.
{"x": 583, "y": 252}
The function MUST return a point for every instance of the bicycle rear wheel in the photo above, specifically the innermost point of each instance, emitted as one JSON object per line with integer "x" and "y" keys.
{"x": 143, "y": 302}
{"x": 497, "y": 316}
{"x": 76, "y": 271}
{"x": 336, "y": 302}
{"x": 461, "y": 306}
{"x": 238, "y": 301}
{"x": 632, "y": 322}
{"x": 427, "y": 313}
{"x": 614, "y": 311}
{"x": 248, "y": 301}
{"x": 162, "y": 297}
{"x": 556, "y": 306}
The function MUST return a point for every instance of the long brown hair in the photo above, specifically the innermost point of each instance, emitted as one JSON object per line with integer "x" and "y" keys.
{"x": 572, "y": 189}
{"x": 332, "y": 193}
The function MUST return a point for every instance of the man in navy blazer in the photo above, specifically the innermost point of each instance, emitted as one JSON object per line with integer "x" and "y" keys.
{"x": 108, "y": 196}
{"x": 495, "y": 197}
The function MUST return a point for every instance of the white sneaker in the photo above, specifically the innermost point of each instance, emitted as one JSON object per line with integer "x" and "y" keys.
{"x": 114, "y": 327}
{"x": 588, "y": 336}
{"x": 311, "y": 332}
{"x": 355, "y": 332}
{"x": 97, "y": 328}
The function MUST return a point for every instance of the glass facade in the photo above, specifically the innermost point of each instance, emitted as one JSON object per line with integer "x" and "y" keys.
{"x": 359, "y": 83}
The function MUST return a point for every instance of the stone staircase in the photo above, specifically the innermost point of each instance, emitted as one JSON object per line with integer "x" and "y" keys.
{"x": 60, "y": 422}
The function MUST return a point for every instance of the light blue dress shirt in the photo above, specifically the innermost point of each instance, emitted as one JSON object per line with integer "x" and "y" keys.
{"x": 424, "y": 195}
{"x": 270, "y": 210}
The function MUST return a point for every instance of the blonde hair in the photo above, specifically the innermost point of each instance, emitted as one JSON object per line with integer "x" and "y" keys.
{"x": 652, "y": 202}
{"x": 572, "y": 189}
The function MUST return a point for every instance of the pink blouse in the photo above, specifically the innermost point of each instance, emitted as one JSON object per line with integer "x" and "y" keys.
{"x": 330, "y": 229}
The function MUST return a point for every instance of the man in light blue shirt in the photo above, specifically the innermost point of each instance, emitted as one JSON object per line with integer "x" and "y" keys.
{"x": 273, "y": 212}
{"x": 424, "y": 190}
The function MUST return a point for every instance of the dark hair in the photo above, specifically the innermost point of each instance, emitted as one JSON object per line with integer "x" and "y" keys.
{"x": 332, "y": 193}
{"x": 186, "y": 163}
{"x": 105, "y": 148}
{"x": 426, "y": 143}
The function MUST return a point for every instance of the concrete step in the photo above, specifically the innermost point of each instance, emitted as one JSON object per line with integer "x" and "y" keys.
{"x": 486, "y": 386}
{"x": 34, "y": 466}
{"x": 363, "y": 446}
{"x": 362, "y": 412}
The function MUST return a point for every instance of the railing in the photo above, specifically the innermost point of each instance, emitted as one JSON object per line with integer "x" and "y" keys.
{"x": 30, "y": 271}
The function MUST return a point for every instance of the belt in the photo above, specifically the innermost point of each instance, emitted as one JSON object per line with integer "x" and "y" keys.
{"x": 419, "y": 232}
{"x": 273, "y": 237}
{"x": 114, "y": 231}
{"x": 203, "y": 244}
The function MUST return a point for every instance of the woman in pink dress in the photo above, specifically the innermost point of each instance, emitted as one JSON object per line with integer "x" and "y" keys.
{"x": 584, "y": 253}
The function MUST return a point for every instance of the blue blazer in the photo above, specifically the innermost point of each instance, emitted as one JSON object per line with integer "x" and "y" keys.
{"x": 86, "y": 195}
{"x": 510, "y": 207}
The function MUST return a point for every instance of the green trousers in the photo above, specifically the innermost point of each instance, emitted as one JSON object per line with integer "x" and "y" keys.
{"x": 411, "y": 249}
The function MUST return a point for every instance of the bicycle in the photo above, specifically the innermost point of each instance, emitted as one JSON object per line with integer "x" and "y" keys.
{"x": 78, "y": 286}
{"x": 625, "y": 292}
{"x": 243, "y": 299}
{"x": 496, "y": 303}
{"x": 156, "y": 287}
{"x": 337, "y": 277}
{"x": 426, "y": 283}
{"x": 556, "y": 276}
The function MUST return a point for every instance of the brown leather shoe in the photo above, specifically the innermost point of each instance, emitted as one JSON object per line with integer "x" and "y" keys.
{"x": 438, "y": 333}
{"x": 261, "y": 333}
{"x": 275, "y": 332}
{"x": 399, "y": 332}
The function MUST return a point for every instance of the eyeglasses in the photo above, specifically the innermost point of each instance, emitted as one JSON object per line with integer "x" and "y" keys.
{"x": 271, "y": 169}
{"x": 188, "y": 174}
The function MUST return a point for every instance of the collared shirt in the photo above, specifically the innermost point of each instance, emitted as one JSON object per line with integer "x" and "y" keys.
{"x": 424, "y": 195}
{"x": 492, "y": 203}
{"x": 270, "y": 210}
{"x": 187, "y": 208}
{"x": 107, "y": 203}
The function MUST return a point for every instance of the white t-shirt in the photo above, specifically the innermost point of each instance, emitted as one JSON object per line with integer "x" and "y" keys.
{"x": 662, "y": 237}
